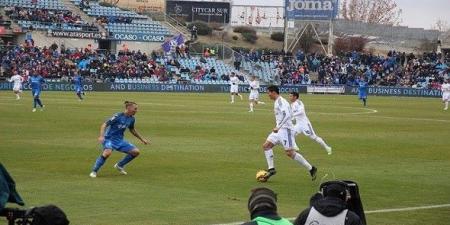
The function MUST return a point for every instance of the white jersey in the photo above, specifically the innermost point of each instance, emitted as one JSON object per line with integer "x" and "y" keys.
{"x": 17, "y": 79}
{"x": 445, "y": 92}
{"x": 283, "y": 113}
{"x": 445, "y": 88}
{"x": 254, "y": 93}
{"x": 254, "y": 86}
{"x": 234, "y": 82}
{"x": 299, "y": 113}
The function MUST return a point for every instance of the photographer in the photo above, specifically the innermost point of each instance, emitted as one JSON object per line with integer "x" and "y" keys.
{"x": 330, "y": 208}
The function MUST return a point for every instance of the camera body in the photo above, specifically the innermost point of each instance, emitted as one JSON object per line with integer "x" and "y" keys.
{"x": 17, "y": 216}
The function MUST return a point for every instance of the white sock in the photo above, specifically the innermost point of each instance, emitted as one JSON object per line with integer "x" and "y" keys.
{"x": 299, "y": 158}
{"x": 251, "y": 106}
{"x": 269, "y": 158}
{"x": 320, "y": 141}
{"x": 232, "y": 98}
{"x": 262, "y": 103}
{"x": 240, "y": 96}
{"x": 446, "y": 105}
{"x": 17, "y": 96}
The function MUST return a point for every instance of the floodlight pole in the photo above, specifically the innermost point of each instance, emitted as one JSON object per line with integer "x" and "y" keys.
{"x": 330, "y": 38}
{"x": 285, "y": 44}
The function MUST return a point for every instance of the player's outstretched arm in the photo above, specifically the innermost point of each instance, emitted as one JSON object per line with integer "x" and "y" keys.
{"x": 101, "y": 138}
{"x": 136, "y": 134}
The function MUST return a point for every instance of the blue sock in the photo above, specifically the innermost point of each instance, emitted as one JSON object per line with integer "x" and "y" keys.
{"x": 126, "y": 160}
{"x": 365, "y": 101}
{"x": 38, "y": 100}
{"x": 99, "y": 163}
{"x": 79, "y": 95}
{"x": 34, "y": 103}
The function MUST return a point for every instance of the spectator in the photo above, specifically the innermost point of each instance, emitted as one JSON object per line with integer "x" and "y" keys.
{"x": 331, "y": 209}
{"x": 262, "y": 206}
{"x": 194, "y": 32}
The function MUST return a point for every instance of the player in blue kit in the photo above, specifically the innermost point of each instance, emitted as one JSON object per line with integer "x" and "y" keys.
{"x": 362, "y": 91}
{"x": 111, "y": 137}
{"x": 78, "y": 81}
{"x": 36, "y": 82}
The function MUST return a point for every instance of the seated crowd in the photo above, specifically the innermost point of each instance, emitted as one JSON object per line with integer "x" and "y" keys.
{"x": 395, "y": 69}
{"x": 49, "y": 16}
{"x": 58, "y": 62}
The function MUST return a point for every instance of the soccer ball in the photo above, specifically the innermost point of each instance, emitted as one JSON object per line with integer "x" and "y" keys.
{"x": 261, "y": 176}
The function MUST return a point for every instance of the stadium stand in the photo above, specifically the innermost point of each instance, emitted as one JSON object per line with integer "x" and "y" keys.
{"x": 118, "y": 21}
{"x": 395, "y": 69}
{"x": 44, "y": 15}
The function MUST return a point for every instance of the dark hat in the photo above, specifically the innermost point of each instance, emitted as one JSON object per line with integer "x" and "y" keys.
{"x": 337, "y": 190}
{"x": 49, "y": 215}
{"x": 262, "y": 199}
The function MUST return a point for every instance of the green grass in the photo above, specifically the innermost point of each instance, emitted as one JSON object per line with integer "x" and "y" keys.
{"x": 205, "y": 152}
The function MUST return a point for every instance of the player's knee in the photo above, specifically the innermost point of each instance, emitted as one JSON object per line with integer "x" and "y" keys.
{"x": 135, "y": 152}
{"x": 106, "y": 153}
{"x": 290, "y": 153}
{"x": 267, "y": 145}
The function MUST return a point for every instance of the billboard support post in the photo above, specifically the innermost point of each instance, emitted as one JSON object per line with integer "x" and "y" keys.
{"x": 311, "y": 12}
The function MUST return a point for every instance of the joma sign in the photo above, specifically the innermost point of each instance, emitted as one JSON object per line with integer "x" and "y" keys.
{"x": 312, "y": 9}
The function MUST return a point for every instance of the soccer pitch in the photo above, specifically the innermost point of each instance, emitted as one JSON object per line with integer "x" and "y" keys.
{"x": 204, "y": 153}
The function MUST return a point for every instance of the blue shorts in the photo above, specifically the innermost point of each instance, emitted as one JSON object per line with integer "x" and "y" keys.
{"x": 362, "y": 96}
{"x": 118, "y": 145}
{"x": 78, "y": 89}
{"x": 36, "y": 93}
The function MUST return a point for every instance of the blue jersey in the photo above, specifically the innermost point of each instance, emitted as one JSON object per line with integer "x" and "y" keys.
{"x": 78, "y": 80}
{"x": 36, "y": 82}
{"x": 117, "y": 125}
{"x": 362, "y": 89}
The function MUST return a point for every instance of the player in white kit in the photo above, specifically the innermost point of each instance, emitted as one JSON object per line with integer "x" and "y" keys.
{"x": 17, "y": 86}
{"x": 283, "y": 134}
{"x": 234, "y": 86}
{"x": 254, "y": 93}
{"x": 445, "y": 88}
{"x": 302, "y": 123}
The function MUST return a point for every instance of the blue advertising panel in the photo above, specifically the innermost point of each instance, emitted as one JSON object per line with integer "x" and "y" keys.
{"x": 136, "y": 87}
{"x": 396, "y": 91}
{"x": 312, "y": 9}
{"x": 137, "y": 37}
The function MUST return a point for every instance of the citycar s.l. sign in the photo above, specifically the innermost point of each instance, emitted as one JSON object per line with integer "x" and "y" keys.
{"x": 312, "y": 9}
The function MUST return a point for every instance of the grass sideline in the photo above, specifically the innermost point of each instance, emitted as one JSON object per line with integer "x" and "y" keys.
{"x": 205, "y": 153}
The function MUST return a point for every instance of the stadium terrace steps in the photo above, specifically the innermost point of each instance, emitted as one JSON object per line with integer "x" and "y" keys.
{"x": 72, "y": 7}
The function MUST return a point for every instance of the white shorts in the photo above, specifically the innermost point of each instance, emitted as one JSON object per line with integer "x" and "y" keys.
{"x": 284, "y": 137}
{"x": 253, "y": 96}
{"x": 446, "y": 97}
{"x": 234, "y": 89}
{"x": 17, "y": 88}
{"x": 304, "y": 128}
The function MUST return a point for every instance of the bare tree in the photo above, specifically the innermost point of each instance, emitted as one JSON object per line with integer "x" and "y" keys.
{"x": 372, "y": 11}
{"x": 441, "y": 25}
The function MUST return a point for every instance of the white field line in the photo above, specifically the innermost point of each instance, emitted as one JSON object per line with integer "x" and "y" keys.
{"x": 371, "y": 212}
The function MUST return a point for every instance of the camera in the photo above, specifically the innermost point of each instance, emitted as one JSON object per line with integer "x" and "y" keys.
{"x": 17, "y": 216}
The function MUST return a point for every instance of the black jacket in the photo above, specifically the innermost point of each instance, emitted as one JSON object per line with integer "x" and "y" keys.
{"x": 329, "y": 207}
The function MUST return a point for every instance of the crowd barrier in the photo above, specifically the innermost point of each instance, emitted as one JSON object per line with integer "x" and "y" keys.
{"x": 224, "y": 88}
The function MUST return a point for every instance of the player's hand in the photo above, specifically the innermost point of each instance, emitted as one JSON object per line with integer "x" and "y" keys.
{"x": 145, "y": 141}
{"x": 276, "y": 129}
{"x": 101, "y": 139}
